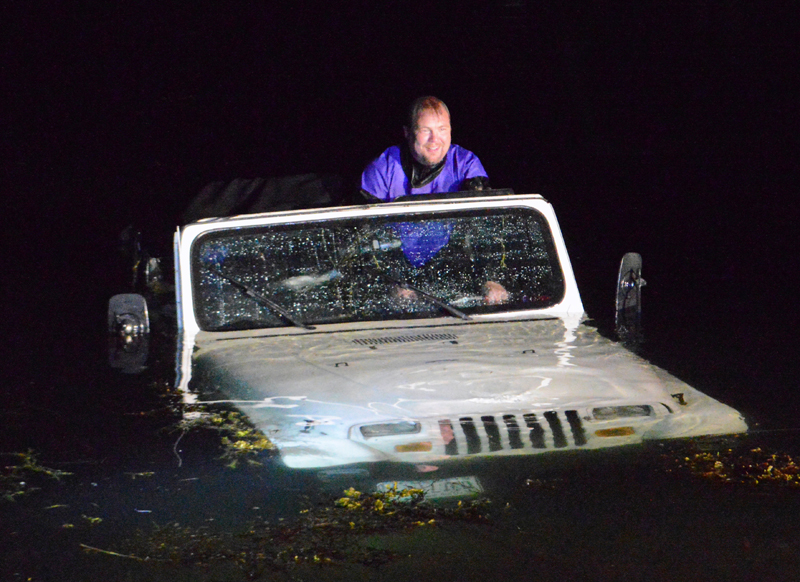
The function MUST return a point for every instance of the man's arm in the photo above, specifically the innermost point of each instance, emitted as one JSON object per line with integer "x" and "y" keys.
{"x": 470, "y": 170}
{"x": 376, "y": 178}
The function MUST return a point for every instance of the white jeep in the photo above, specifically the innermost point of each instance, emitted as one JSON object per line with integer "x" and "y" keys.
{"x": 418, "y": 331}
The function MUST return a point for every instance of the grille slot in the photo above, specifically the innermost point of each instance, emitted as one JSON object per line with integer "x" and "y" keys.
{"x": 537, "y": 432}
{"x": 450, "y": 442}
{"x": 472, "y": 435}
{"x": 493, "y": 432}
{"x": 513, "y": 431}
{"x": 559, "y": 438}
{"x": 402, "y": 339}
{"x": 576, "y": 426}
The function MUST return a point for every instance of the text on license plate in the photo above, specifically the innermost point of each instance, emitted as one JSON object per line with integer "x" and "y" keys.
{"x": 437, "y": 488}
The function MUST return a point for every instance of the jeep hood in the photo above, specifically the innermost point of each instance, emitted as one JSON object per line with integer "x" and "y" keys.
{"x": 435, "y": 370}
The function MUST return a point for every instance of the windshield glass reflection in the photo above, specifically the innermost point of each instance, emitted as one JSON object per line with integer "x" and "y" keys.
{"x": 367, "y": 269}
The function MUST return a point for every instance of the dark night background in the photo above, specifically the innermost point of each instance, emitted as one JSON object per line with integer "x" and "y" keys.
{"x": 666, "y": 129}
{"x": 670, "y": 129}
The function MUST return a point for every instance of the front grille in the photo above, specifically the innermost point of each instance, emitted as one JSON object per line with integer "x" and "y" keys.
{"x": 401, "y": 339}
{"x": 470, "y": 435}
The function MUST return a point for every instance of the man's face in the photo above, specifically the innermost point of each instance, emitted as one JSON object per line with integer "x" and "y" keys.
{"x": 429, "y": 139}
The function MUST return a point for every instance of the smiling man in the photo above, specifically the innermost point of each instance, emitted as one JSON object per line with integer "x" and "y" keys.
{"x": 426, "y": 162}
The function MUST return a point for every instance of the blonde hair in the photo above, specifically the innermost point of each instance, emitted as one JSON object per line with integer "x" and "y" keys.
{"x": 429, "y": 102}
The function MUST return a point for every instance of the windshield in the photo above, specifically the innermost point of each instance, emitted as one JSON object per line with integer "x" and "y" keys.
{"x": 376, "y": 268}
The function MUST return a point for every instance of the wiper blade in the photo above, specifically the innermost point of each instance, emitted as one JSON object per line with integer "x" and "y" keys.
{"x": 250, "y": 292}
{"x": 432, "y": 298}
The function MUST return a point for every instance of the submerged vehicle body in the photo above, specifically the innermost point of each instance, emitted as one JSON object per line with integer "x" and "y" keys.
{"x": 418, "y": 331}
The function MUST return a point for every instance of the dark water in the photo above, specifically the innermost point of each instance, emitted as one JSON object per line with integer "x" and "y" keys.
{"x": 144, "y": 500}
{"x": 656, "y": 131}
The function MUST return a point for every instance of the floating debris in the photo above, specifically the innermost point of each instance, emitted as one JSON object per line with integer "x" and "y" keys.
{"x": 331, "y": 534}
{"x": 751, "y": 467}
{"x": 14, "y": 479}
{"x": 92, "y": 520}
{"x": 240, "y": 439}
{"x": 143, "y": 474}
{"x": 92, "y": 549}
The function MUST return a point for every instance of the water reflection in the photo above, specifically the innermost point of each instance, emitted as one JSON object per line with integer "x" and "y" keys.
{"x": 149, "y": 498}
{"x": 171, "y": 508}
{"x": 155, "y": 518}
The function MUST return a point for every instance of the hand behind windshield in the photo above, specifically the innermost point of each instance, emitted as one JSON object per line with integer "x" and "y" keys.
{"x": 481, "y": 261}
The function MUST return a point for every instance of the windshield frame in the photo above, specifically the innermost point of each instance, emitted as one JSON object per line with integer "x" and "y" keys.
{"x": 367, "y": 225}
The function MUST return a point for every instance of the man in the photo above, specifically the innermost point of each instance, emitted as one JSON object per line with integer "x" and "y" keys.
{"x": 426, "y": 162}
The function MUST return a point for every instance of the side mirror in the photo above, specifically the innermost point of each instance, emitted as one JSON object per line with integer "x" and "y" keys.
{"x": 128, "y": 329}
{"x": 629, "y": 300}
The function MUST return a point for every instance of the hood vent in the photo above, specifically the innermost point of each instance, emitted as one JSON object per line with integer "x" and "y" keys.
{"x": 476, "y": 434}
{"x": 402, "y": 339}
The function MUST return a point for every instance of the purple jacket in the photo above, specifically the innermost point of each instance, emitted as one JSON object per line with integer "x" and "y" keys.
{"x": 386, "y": 179}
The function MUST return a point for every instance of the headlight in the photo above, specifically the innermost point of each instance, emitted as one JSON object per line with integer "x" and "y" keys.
{"x": 612, "y": 412}
{"x": 390, "y": 429}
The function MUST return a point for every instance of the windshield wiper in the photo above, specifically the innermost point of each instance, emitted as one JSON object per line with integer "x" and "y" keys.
{"x": 432, "y": 298}
{"x": 282, "y": 311}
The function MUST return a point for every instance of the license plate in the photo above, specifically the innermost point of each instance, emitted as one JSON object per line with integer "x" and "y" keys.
{"x": 437, "y": 488}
